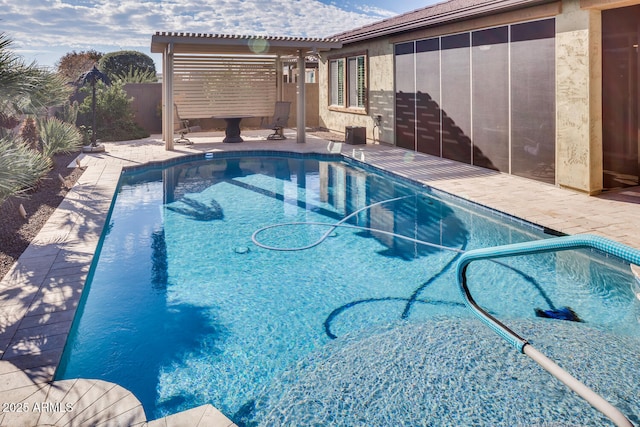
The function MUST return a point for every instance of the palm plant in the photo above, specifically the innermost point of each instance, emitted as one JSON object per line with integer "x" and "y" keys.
{"x": 25, "y": 89}
{"x": 15, "y": 75}
{"x": 93, "y": 77}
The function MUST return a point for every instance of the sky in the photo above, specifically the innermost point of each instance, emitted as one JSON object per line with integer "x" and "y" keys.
{"x": 45, "y": 30}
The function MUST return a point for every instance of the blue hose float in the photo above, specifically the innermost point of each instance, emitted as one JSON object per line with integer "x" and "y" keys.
{"x": 521, "y": 344}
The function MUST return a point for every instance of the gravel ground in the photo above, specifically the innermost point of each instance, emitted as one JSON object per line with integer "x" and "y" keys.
{"x": 15, "y": 232}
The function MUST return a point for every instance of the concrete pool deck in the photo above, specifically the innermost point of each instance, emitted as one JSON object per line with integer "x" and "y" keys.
{"x": 40, "y": 294}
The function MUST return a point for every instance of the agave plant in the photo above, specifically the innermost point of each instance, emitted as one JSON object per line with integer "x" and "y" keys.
{"x": 93, "y": 77}
{"x": 57, "y": 137}
{"x": 20, "y": 167}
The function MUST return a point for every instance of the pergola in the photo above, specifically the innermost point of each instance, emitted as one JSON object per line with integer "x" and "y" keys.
{"x": 214, "y": 63}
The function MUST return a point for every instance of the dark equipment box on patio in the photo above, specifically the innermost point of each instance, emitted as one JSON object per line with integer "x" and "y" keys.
{"x": 355, "y": 135}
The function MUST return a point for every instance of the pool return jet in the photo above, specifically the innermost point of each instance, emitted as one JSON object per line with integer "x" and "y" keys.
{"x": 522, "y": 345}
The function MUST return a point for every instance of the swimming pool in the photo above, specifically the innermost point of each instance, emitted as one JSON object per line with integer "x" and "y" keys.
{"x": 183, "y": 308}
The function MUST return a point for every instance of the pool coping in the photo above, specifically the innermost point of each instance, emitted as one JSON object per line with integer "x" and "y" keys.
{"x": 40, "y": 294}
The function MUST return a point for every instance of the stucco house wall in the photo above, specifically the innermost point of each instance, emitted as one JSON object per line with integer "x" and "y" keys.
{"x": 380, "y": 92}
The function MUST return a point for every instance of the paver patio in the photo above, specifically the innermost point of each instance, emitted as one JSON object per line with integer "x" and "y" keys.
{"x": 40, "y": 294}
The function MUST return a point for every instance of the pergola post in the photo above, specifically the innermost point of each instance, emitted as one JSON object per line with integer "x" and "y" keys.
{"x": 167, "y": 88}
{"x": 301, "y": 122}
{"x": 279, "y": 78}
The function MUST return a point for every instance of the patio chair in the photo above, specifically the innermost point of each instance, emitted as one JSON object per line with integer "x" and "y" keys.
{"x": 279, "y": 121}
{"x": 181, "y": 126}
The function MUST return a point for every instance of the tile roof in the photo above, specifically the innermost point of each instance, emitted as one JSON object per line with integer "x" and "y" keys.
{"x": 434, "y": 15}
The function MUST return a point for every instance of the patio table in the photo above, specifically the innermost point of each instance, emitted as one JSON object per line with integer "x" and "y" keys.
{"x": 232, "y": 132}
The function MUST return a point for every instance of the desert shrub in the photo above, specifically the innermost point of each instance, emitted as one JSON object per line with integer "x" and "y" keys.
{"x": 72, "y": 65}
{"x": 68, "y": 112}
{"x": 58, "y": 137}
{"x": 114, "y": 117}
{"x": 118, "y": 64}
{"x": 21, "y": 167}
{"x": 29, "y": 133}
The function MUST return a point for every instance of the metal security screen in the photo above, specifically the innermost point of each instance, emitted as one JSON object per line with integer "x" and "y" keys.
{"x": 621, "y": 97}
{"x": 484, "y": 97}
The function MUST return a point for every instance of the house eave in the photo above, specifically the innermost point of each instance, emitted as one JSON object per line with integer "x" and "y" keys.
{"x": 437, "y": 18}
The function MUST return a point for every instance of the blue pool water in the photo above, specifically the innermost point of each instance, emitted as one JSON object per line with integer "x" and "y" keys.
{"x": 183, "y": 308}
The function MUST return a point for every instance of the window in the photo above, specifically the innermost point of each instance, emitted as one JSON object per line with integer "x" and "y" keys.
{"x": 356, "y": 82}
{"x": 336, "y": 84}
{"x": 347, "y": 82}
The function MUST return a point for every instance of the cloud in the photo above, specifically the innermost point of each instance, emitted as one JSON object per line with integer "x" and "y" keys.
{"x": 376, "y": 11}
{"x": 66, "y": 25}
